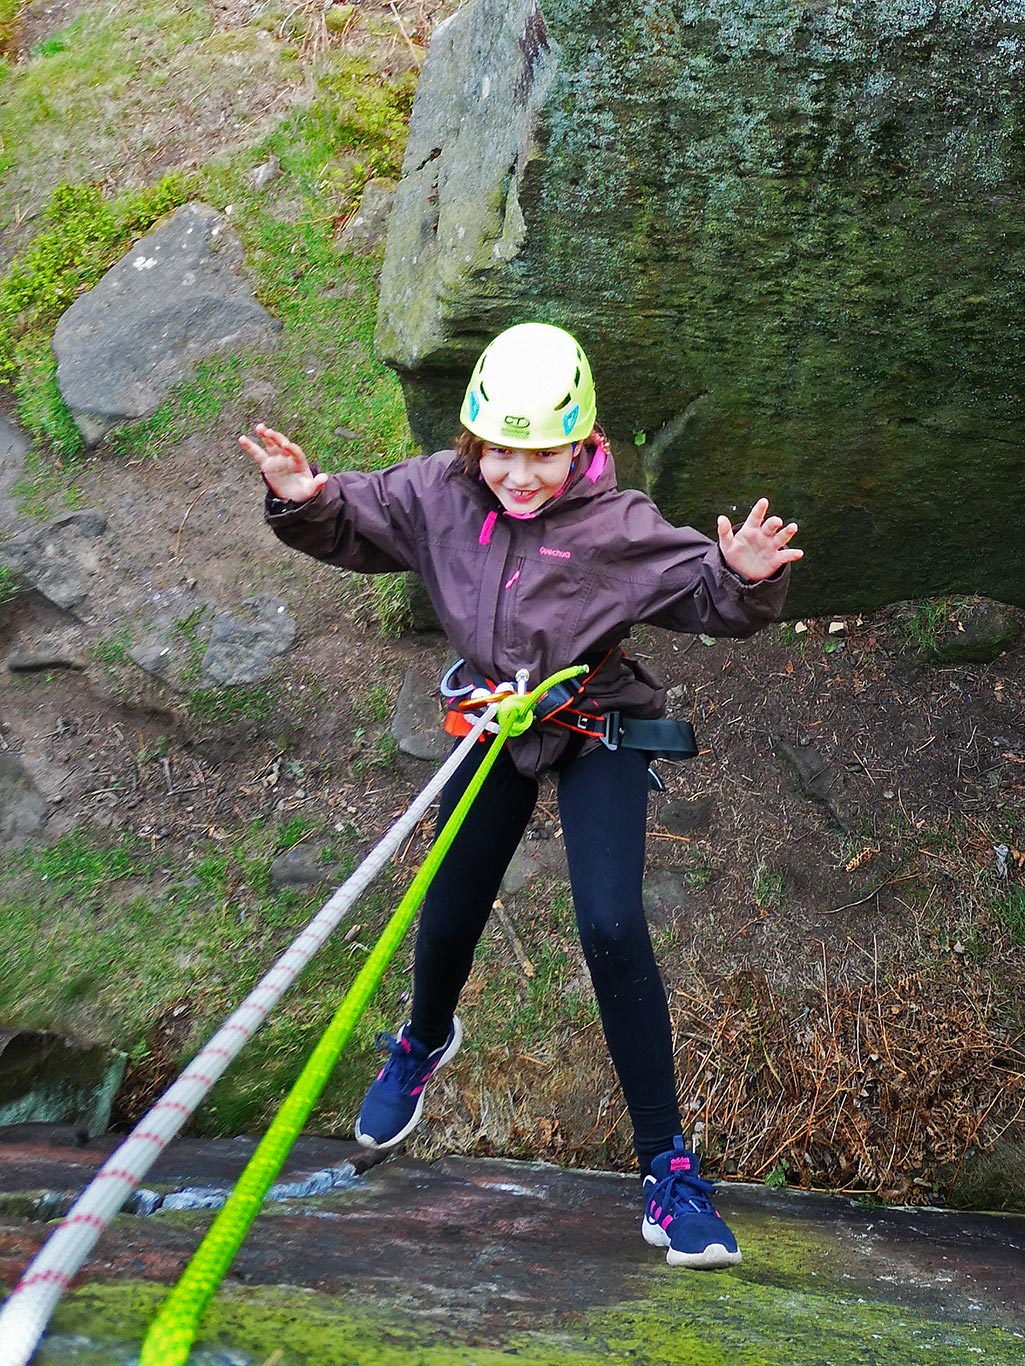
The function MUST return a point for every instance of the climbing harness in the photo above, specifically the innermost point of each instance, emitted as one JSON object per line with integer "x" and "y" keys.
{"x": 24, "y": 1317}
{"x": 659, "y": 738}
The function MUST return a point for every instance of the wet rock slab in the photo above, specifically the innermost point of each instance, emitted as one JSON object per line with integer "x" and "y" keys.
{"x": 473, "y": 1260}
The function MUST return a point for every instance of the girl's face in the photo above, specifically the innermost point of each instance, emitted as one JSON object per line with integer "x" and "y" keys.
{"x": 524, "y": 481}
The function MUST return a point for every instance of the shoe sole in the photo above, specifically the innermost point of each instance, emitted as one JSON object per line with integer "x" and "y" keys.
{"x": 368, "y": 1141}
{"x": 714, "y": 1256}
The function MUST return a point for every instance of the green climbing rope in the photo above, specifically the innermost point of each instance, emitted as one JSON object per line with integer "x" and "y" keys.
{"x": 173, "y": 1331}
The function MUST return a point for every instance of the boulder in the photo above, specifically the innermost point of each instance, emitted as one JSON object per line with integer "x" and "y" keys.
{"x": 176, "y": 298}
{"x": 417, "y": 722}
{"x": 789, "y": 238}
{"x": 58, "y": 559}
{"x": 47, "y": 1078}
{"x": 972, "y": 631}
{"x": 365, "y": 231}
{"x": 243, "y": 646}
{"x": 14, "y": 446}
{"x": 22, "y": 805}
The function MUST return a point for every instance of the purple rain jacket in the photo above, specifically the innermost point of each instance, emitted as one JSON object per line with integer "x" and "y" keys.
{"x": 541, "y": 592}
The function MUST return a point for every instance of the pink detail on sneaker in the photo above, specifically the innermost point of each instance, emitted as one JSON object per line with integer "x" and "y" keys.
{"x": 666, "y": 1221}
{"x": 417, "y": 1089}
{"x": 680, "y": 1164}
{"x": 656, "y": 1214}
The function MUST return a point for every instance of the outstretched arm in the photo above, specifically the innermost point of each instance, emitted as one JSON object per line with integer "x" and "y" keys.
{"x": 283, "y": 465}
{"x": 761, "y": 546}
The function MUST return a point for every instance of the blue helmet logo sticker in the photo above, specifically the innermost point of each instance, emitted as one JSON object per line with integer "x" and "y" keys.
{"x": 570, "y": 420}
{"x": 474, "y": 405}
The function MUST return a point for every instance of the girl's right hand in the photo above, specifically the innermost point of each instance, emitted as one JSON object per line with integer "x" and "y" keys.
{"x": 284, "y": 465}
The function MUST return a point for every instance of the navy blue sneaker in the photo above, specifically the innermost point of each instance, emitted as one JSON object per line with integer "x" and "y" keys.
{"x": 392, "y": 1106}
{"x": 679, "y": 1214}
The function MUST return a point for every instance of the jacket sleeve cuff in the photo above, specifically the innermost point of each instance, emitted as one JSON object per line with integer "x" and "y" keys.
{"x": 746, "y": 584}
{"x": 273, "y": 506}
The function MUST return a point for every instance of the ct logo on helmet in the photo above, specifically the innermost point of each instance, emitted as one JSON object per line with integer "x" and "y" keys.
{"x": 516, "y": 426}
{"x": 474, "y": 403}
{"x": 570, "y": 420}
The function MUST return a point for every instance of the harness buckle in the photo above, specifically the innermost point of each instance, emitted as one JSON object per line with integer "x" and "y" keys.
{"x": 613, "y": 731}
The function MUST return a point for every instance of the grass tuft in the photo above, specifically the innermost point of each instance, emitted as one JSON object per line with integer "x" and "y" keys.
{"x": 84, "y": 234}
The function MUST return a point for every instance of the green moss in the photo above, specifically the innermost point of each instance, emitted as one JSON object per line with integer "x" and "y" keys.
{"x": 802, "y": 1305}
{"x": 10, "y": 585}
{"x": 740, "y": 1323}
{"x": 306, "y": 1329}
{"x": 84, "y": 233}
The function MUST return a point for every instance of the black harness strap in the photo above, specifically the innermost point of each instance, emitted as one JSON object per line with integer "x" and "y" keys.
{"x": 662, "y": 737}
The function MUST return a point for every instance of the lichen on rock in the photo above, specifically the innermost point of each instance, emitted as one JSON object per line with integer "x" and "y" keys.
{"x": 804, "y": 216}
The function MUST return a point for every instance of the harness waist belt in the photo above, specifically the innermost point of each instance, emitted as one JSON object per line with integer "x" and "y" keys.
{"x": 662, "y": 738}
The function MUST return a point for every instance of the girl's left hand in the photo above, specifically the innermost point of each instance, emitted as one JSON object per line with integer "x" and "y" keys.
{"x": 761, "y": 546}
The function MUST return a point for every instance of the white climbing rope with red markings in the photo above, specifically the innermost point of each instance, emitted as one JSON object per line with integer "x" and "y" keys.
{"x": 27, "y": 1311}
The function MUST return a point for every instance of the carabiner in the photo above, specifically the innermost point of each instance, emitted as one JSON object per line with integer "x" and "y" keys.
{"x": 443, "y": 684}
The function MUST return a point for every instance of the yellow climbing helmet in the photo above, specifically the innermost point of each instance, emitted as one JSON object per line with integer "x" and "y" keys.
{"x": 531, "y": 388}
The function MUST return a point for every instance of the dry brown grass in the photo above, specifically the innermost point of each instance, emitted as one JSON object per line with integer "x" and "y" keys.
{"x": 878, "y": 1091}
{"x": 873, "y": 1090}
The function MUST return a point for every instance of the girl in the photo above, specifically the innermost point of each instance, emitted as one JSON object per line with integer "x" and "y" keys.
{"x": 535, "y": 560}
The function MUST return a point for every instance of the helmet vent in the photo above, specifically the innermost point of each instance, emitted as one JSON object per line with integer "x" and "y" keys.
{"x": 559, "y": 406}
{"x": 484, "y": 392}
{"x": 576, "y": 377}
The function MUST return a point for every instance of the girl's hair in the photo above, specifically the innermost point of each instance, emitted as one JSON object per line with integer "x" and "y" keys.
{"x": 468, "y": 448}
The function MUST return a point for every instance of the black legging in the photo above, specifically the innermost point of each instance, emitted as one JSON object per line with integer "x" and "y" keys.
{"x": 603, "y": 806}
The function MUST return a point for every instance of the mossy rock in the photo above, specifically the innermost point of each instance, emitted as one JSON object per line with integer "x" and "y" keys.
{"x": 788, "y": 237}
{"x": 971, "y": 631}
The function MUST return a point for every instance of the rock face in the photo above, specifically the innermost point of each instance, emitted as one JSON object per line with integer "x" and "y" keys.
{"x": 176, "y": 298}
{"x": 526, "y": 1261}
{"x": 242, "y": 647}
{"x": 789, "y": 238}
{"x": 45, "y": 1078}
